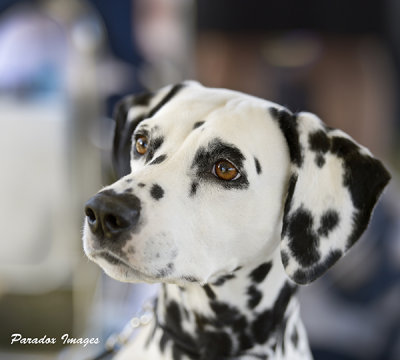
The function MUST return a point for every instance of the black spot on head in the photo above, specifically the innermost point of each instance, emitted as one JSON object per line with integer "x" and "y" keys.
{"x": 193, "y": 188}
{"x": 288, "y": 124}
{"x": 329, "y": 220}
{"x": 255, "y": 297}
{"x": 306, "y": 276}
{"x": 158, "y": 159}
{"x": 258, "y": 166}
{"x": 260, "y": 273}
{"x": 128, "y": 181}
{"x": 171, "y": 93}
{"x": 303, "y": 241}
{"x": 198, "y": 124}
{"x": 154, "y": 145}
{"x": 190, "y": 279}
{"x": 143, "y": 99}
{"x": 156, "y": 192}
{"x": 216, "y": 150}
{"x": 141, "y": 185}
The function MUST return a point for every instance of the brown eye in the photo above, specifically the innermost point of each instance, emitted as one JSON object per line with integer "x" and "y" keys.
{"x": 141, "y": 144}
{"x": 225, "y": 170}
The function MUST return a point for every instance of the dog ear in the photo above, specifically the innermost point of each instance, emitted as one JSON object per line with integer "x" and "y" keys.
{"x": 128, "y": 113}
{"x": 333, "y": 187}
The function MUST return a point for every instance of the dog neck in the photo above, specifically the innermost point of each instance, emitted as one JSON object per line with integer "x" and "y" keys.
{"x": 240, "y": 313}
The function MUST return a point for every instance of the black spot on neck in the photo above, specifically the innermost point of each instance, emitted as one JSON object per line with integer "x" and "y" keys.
{"x": 210, "y": 293}
{"x": 222, "y": 279}
{"x": 261, "y": 272}
{"x": 255, "y": 297}
{"x": 156, "y": 192}
{"x": 269, "y": 321}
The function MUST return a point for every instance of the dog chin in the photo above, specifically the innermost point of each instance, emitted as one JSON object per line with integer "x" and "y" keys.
{"x": 118, "y": 269}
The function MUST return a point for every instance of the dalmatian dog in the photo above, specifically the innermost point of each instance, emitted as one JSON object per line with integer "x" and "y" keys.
{"x": 231, "y": 202}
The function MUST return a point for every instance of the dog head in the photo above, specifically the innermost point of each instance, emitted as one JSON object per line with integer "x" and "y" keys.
{"x": 212, "y": 179}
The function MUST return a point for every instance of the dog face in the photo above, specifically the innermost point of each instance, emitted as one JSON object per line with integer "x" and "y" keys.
{"x": 214, "y": 179}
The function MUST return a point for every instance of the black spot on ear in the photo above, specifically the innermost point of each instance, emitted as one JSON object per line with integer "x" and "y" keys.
{"x": 319, "y": 142}
{"x": 193, "y": 188}
{"x": 295, "y": 337}
{"x": 285, "y": 258}
{"x": 329, "y": 221}
{"x": 156, "y": 192}
{"x": 288, "y": 124}
{"x": 158, "y": 160}
{"x": 190, "y": 279}
{"x": 365, "y": 177}
{"x": 261, "y": 272}
{"x": 255, "y": 297}
{"x": 198, "y": 124}
{"x": 288, "y": 202}
{"x": 303, "y": 241}
{"x": 258, "y": 166}
{"x": 320, "y": 160}
{"x": 308, "y": 275}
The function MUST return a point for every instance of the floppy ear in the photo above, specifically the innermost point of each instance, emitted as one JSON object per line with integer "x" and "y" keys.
{"x": 128, "y": 113}
{"x": 333, "y": 187}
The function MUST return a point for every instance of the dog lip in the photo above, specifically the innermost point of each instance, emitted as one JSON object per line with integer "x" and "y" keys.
{"x": 110, "y": 257}
{"x": 114, "y": 260}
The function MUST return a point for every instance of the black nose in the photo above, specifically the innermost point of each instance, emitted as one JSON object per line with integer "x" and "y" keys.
{"x": 109, "y": 214}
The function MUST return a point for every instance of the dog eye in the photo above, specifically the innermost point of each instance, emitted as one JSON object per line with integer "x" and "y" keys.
{"x": 225, "y": 170}
{"x": 142, "y": 144}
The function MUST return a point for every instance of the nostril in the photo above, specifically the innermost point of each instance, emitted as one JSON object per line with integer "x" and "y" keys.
{"x": 90, "y": 214}
{"x": 115, "y": 223}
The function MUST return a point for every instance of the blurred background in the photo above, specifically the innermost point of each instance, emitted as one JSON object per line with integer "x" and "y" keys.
{"x": 63, "y": 66}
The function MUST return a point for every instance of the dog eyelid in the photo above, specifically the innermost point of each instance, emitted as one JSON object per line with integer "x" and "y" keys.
{"x": 225, "y": 170}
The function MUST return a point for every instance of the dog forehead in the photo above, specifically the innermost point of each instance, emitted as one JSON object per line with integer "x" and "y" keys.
{"x": 209, "y": 113}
